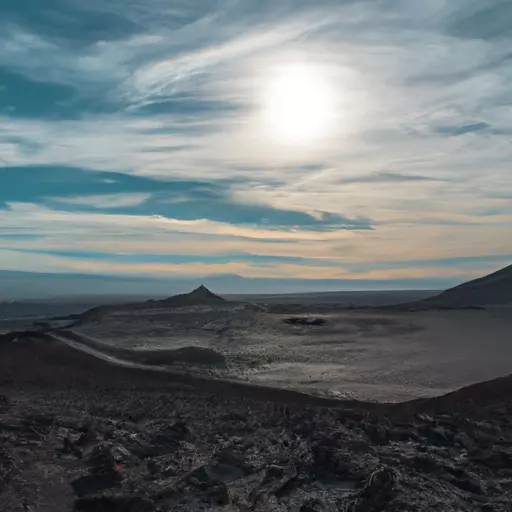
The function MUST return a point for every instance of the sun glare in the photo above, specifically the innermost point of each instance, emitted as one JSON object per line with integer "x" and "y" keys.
{"x": 300, "y": 104}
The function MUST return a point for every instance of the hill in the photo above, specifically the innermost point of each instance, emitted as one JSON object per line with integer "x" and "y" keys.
{"x": 199, "y": 297}
{"x": 491, "y": 290}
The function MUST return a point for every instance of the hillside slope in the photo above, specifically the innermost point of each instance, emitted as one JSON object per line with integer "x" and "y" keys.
{"x": 491, "y": 290}
{"x": 81, "y": 434}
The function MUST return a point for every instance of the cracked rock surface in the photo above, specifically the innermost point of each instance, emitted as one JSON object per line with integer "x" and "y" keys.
{"x": 77, "y": 434}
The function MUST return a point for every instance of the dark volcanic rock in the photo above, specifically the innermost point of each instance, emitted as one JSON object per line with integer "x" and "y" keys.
{"x": 16, "y": 336}
{"x": 304, "y": 320}
{"x": 169, "y": 435}
{"x": 186, "y": 355}
{"x": 495, "y": 458}
{"x": 94, "y": 484}
{"x": 102, "y": 462}
{"x": 381, "y": 487}
{"x": 6, "y": 465}
{"x": 470, "y": 482}
{"x": 5, "y": 403}
{"x": 185, "y": 448}
{"x": 114, "y": 504}
{"x": 313, "y": 505}
{"x": 103, "y": 472}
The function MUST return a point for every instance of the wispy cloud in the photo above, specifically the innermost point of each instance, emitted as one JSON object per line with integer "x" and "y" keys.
{"x": 107, "y": 201}
{"x": 169, "y": 94}
{"x": 386, "y": 177}
{"x": 463, "y": 129}
{"x": 482, "y": 21}
{"x": 59, "y": 230}
{"x": 19, "y": 214}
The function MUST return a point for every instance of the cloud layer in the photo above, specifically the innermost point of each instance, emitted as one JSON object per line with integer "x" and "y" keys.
{"x": 131, "y": 139}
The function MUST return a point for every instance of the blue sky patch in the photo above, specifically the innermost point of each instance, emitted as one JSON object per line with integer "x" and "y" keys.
{"x": 69, "y": 188}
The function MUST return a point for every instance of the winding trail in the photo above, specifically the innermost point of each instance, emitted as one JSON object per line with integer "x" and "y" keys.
{"x": 86, "y": 347}
{"x": 97, "y": 349}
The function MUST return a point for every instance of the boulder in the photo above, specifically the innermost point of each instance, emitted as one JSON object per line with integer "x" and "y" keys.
{"x": 313, "y": 505}
{"x": 102, "y": 461}
{"x": 378, "y": 491}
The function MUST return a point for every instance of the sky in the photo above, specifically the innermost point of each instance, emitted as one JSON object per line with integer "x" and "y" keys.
{"x": 322, "y": 140}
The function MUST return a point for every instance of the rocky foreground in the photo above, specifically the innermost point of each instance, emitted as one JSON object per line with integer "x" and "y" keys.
{"x": 79, "y": 434}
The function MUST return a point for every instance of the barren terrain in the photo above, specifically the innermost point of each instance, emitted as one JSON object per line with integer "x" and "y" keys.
{"x": 196, "y": 403}
{"x": 365, "y": 354}
{"x": 80, "y": 434}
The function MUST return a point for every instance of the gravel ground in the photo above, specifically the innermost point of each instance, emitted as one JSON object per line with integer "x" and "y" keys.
{"x": 362, "y": 354}
{"x": 79, "y": 434}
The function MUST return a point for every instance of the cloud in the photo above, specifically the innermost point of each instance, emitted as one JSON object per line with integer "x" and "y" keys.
{"x": 91, "y": 231}
{"x": 145, "y": 119}
{"x": 280, "y": 271}
{"x": 463, "y": 129}
{"x": 18, "y": 214}
{"x": 177, "y": 199}
{"x": 156, "y": 78}
{"x": 488, "y": 22}
{"x": 107, "y": 201}
{"x": 386, "y": 177}
{"x": 320, "y": 268}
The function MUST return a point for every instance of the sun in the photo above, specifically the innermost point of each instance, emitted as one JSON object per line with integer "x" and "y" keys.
{"x": 299, "y": 104}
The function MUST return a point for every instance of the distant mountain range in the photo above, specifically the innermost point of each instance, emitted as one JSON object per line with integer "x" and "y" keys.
{"x": 491, "y": 290}
{"x": 28, "y": 285}
{"x": 25, "y": 294}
